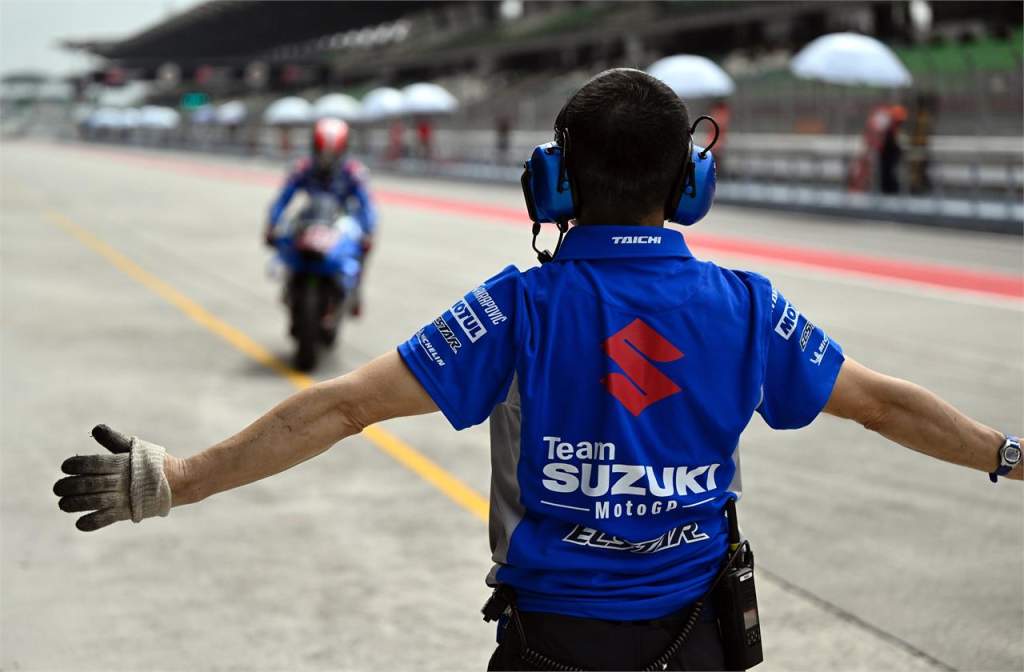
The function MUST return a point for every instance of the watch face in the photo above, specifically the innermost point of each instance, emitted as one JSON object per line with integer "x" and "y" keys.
{"x": 1011, "y": 454}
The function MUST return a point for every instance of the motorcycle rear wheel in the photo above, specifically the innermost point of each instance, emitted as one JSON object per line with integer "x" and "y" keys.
{"x": 306, "y": 323}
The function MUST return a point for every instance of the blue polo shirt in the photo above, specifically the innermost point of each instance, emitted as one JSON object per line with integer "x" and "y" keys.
{"x": 617, "y": 380}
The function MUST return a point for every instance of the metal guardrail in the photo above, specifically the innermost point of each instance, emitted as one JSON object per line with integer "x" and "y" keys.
{"x": 976, "y": 184}
{"x": 998, "y": 216}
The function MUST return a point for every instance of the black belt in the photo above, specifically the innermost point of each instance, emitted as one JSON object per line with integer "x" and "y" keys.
{"x": 503, "y": 601}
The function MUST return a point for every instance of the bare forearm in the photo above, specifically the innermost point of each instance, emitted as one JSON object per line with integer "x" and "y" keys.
{"x": 914, "y": 417}
{"x": 920, "y": 420}
{"x": 303, "y": 426}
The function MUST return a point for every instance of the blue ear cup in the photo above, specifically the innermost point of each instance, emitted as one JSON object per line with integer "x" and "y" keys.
{"x": 699, "y": 189}
{"x": 546, "y": 186}
{"x": 549, "y": 197}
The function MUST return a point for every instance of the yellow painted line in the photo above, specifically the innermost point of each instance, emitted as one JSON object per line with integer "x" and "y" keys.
{"x": 460, "y": 493}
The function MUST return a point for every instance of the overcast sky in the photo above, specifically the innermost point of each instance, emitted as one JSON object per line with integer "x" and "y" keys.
{"x": 30, "y": 30}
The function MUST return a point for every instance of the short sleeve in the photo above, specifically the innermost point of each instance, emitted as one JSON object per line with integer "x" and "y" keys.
{"x": 801, "y": 367}
{"x": 465, "y": 359}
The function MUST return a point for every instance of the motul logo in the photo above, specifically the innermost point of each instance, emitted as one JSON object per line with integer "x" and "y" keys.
{"x": 643, "y": 384}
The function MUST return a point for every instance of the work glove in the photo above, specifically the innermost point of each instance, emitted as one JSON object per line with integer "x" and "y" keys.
{"x": 128, "y": 484}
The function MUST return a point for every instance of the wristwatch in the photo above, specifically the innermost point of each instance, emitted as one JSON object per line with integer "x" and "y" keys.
{"x": 1009, "y": 457}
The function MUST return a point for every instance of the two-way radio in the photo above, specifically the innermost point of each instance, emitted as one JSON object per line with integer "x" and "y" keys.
{"x": 736, "y": 602}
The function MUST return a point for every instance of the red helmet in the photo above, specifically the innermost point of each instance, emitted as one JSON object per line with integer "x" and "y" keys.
{"x": 330, "y": 140}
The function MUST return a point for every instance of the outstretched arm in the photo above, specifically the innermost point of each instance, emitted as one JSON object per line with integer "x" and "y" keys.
{"x": 914, "y": 417}
{"x": 302, "y": 426}
{"x": 138, "y": 480}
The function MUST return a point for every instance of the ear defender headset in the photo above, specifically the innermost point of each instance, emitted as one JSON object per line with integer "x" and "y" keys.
{"x": 551, "y": 198}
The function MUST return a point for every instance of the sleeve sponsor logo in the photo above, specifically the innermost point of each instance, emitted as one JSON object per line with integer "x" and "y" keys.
{"x": 491, "y": 309}
{"x": 448, "y": 335}
{"x": 787, "y": 323}
{"x": 805, "y": 336}
{"x": 468, "y": 321}
{"x": 588, "y": 536}
{"x": 819, "y": 354}
{"x": 429, "y": 348}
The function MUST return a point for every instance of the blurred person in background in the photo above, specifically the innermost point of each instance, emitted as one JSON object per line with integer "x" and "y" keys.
{"x": 285, "y": 140}
{"x": 602, "y": 371}
{"x": 396, "y": 140}
{"x": 922, "y": 125}
{"x": 890, "y": 153}
{"x": 503, "y": 137}
{"x": 425, "y": 137}
{"x": 328, "y": 170}
{"x": 877, "y": 162}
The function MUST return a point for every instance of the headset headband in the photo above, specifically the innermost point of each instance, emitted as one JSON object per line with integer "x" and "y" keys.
{"x": 546, "y": 179}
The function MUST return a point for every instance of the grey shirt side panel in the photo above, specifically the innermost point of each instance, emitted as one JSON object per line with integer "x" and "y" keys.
{"x": 506, "y": 508}
{"x": 736, "y": 485}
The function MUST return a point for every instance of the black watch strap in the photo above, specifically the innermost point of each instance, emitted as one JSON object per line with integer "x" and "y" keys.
{"x": 1009, "y": 457}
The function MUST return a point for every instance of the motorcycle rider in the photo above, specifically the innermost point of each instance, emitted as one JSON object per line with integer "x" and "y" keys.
{"x": 328, "y": 170}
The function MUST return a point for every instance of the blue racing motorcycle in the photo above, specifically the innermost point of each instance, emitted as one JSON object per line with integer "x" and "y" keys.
{"x": 320, "y": 249}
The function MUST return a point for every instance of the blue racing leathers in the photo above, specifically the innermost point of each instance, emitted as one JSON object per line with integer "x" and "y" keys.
{"x": 348, "y": 183}
{"x": 617, "y": 380}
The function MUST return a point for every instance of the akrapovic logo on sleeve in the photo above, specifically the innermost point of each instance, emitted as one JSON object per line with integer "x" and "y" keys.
{"x": 787, "y": 323}
{"x": 468, "y": 321}
{"x": 491, "y": 309}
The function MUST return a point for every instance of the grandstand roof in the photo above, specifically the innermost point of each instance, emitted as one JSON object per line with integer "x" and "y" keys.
{"x": 223, "y": 29}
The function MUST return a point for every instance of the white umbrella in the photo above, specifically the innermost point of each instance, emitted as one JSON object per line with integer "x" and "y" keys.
{"x": 337, "y": 105}
{"x": 130, "y": 117}
{"x": 288, "y": 110}
{"x": 231, "y": 113}
{"x": 427, "y": 98}
{"x": 850, "y": 58}
{"x": 693, "y": 76}
{"x": 106, "y": 117}
{"x": 154, "y": 116}
{"x": 382, "y": 102}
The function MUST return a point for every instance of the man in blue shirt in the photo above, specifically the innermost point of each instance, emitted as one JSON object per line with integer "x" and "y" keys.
{"x": 617, "y": 380}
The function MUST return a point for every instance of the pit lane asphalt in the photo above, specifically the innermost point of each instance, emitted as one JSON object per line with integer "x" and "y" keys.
{"x": 875, "y": 557}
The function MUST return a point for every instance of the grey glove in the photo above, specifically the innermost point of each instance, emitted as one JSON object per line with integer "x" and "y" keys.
{"x": 129, "y": 484}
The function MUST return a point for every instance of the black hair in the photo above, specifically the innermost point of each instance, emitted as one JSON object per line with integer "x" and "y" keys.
{"x": 627, "y": 134}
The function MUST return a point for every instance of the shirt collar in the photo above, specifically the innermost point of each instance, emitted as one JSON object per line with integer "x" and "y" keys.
{"x": 621, "y": 242}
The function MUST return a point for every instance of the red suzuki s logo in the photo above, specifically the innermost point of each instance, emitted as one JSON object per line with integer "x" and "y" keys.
{"x": 643, "y": 384}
